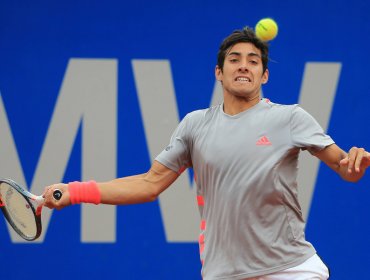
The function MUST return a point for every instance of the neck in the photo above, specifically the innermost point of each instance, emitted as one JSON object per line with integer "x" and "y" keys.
{"x": 235, "y": 104}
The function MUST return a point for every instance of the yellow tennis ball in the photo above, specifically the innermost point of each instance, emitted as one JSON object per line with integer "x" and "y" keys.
{"x": 266, "y": 29}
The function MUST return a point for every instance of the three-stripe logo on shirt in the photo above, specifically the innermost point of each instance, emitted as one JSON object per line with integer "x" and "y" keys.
{"x": 263, "y": 141}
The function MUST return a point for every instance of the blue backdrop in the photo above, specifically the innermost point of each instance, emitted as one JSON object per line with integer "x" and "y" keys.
{"x": 39, "y": 38}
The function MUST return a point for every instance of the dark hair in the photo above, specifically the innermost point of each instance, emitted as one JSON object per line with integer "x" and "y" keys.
{"x": 245, "y": 35}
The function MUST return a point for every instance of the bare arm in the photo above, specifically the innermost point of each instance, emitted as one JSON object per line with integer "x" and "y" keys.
{"x": 350, "y": 166}
{"x": 127, "y": 190}
{"x": 138, "y": 189}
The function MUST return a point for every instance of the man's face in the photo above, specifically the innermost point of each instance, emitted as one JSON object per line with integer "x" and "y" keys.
{"x": 242, "y": 75}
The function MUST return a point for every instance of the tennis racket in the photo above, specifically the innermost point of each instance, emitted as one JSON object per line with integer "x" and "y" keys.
{"x": 22, "y": 209}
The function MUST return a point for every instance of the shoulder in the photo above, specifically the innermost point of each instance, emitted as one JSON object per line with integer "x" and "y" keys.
{"x": 199, "y": 116}
{"x": 288, "y": 114}
{"x": 197, "y": 120}
{"x": 293, "y": 110}
{"x": 281, "y": 110}
{"x": 278, "y": 106}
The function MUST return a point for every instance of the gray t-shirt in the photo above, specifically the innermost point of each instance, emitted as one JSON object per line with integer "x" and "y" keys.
{"x": 245, "y": 167}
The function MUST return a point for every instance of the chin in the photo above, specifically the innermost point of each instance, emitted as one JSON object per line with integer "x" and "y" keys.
{"x": 245, "y": 94}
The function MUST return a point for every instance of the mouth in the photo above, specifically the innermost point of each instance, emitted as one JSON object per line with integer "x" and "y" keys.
{"x": 243, "y": 79}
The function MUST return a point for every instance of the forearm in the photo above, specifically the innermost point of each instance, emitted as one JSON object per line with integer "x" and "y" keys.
{"x": 138, "y": 189}
{"x": 127, "y": 190}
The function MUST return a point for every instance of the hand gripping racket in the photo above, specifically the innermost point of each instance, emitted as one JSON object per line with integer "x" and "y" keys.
{"x": 22, "y": 209}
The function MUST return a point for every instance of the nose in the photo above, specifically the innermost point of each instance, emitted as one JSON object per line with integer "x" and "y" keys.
{"x": 243, "y": 67}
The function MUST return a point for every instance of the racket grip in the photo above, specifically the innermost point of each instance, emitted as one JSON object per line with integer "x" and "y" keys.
{"x": 57, "y": 194}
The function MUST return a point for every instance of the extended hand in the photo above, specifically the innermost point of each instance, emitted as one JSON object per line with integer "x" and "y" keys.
{"x": 357, "y": 159}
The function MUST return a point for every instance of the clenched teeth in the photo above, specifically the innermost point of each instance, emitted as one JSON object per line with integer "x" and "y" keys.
{"x": 242, "y": 79}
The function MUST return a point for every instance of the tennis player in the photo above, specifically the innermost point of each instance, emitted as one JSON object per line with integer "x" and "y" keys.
{"x": 244, "y": 153}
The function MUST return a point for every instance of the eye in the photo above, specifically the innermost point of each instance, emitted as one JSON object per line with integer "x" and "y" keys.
{"x": 254, "y": 62}
{"x": 234, "y": 60}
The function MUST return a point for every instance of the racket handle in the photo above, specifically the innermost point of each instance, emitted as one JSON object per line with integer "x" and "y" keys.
{"x": 57, "y": 194}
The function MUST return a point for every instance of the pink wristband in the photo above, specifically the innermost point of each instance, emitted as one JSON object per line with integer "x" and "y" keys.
{"x": 87, "y": 192}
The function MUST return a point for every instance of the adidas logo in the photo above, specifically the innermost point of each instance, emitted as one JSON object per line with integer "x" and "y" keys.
{"x": 263, "y": 141}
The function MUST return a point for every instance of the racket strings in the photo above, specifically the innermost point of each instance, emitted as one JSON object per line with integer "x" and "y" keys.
{"x": 16, "y": 208}
{"x": 19, "y": 211}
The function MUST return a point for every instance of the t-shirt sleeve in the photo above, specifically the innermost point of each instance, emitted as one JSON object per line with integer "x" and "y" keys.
{"x": 306, "y": 133}
{"x": 176, "y": 155}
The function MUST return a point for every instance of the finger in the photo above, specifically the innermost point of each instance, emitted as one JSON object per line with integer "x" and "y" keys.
{"x": 367, "y": 155}
{"x": 59, "y": 207}
{"x": 48, "y": 196}
{"x": 46, "y": 189}
{"x": 365, "y": 160}
{"x": 351, "y": 158}
{"x": 47, "y": 204}
{"x": 50, "y": 202}
{"x": 359, "y": 157}
{"x": 344, "y": 161}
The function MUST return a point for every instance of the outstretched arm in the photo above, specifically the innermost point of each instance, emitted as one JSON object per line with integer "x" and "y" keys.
{"x": 350, "y": 166}
{"x": 127, "y": 190}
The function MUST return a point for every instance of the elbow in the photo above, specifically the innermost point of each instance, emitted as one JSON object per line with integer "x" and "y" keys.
{"x": 152, "y": 196}
{"x": 152, "y": 191}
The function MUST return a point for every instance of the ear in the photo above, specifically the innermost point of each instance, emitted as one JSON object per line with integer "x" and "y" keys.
{"x": 218, "y": 73}
{"x": 265, "y": 76}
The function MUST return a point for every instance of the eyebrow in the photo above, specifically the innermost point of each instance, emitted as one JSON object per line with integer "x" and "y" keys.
{"x": 251, "y": 54}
